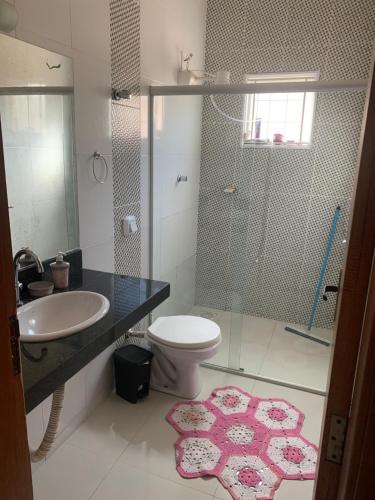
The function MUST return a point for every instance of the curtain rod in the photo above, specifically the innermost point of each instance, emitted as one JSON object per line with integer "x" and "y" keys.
{"x": 260, "y": 88}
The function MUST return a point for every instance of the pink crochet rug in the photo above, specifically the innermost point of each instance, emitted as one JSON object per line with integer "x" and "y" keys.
{"x": 250, "y": 444}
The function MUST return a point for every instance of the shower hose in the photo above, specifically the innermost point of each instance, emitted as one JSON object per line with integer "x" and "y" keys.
{"x": 53, "y": 423}
{"x": 57, "y": 404}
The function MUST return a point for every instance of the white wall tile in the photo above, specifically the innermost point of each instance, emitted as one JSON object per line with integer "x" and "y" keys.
{"x": 95, "y": 202}
{"x": 178, "y": 131}
{"x": 178, "y": 238}
{"x": 145, "y": 216}
{"x": 177, "y": 135}
{"x": 184, "y": 292}
{"x": 49, "y": 218}
{"x": 35, "y": 432}
{"x": 74, "y": 401}
{"x": 18, "y": 175}
{"x": 99, "y": 257}
{"x": 90, "y": 27}
{"x": 48, "y": 176}
{"x": 180, "y": 26}
{"x": 167, "y": 307}
{"x": 48, "y": 18}
{"x": 15, "y": 120}
{"x": 22, "y": 234}
{"x": 35, "y": 428}
{"x": 92, "y": 104}
{"x": 47, "y": 23}
{"x": 178, "y": 196}
{"x": 99, "y": 378}
{"x": 27, "y": 35}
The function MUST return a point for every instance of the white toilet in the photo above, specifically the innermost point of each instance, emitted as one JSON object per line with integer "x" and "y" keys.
{"x": 180, "y": 344}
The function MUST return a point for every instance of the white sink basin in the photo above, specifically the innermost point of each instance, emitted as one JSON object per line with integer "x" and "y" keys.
{"x": 60, "y": 315}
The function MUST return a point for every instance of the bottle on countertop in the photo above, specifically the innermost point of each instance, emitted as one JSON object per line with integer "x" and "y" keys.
{"x": 60, "y": 271}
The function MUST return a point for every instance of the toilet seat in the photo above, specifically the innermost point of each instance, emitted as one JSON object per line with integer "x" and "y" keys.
{"x": 185, "y": 332}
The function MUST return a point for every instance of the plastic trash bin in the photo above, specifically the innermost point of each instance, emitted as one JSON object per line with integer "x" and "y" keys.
{"x": 132, "y": 372}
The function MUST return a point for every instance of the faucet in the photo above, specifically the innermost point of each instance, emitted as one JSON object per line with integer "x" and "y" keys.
{"x": 29, "y": 253}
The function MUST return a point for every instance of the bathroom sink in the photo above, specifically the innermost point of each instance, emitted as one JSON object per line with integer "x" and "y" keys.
{"x": 60, "y": 315}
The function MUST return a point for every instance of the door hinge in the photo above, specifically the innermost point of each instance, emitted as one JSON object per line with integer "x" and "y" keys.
{"x": 336, "y": 439}
{"x": 14, "y": 333}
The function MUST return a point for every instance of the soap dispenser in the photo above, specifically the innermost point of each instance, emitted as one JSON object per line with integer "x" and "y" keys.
{"x": 60, "y": 271}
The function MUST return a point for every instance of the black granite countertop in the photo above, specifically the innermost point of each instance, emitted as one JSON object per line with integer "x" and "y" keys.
{"x": 47, "y": 365}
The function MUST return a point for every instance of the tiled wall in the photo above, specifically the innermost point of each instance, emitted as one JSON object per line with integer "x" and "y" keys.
{"x": 80, "y": 29}
{"x": 39, "y": 163}
{"x": 259, "y": 251}
{"x": 177, "y": 138}
{"x": 146, "y": 53}
{"x": 126, "y": 139}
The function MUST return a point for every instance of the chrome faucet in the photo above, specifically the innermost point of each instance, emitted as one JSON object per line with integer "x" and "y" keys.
{"x": 33, "y": 256}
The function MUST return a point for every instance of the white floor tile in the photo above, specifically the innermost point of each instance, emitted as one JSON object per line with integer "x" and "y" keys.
{"x": 152, "y": 449}
{"x": 288, "y": 490}
{"x": 311, "y": 405}
{"x": 212, "y": 379}
{"x": 221, "y": 493}
{"x": 109, "y": 429}
{"x": 295, "y": 490}
{"x": 125, "y": 481}
{"x": 268, "y": 350}
{"x": 252, "y": 356}
{"x": 297, "y": 360}
{"x": 258, "y": 330}
{"x": 71, "y": 474}
{"x": 142, "y": 441}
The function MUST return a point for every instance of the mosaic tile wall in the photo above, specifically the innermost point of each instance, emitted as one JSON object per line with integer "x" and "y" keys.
{"x": 126, "y": 138}
{"x": 259, "y": 250}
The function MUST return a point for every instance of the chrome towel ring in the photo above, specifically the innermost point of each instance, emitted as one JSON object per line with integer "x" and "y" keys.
{"x": 99, "y": 156}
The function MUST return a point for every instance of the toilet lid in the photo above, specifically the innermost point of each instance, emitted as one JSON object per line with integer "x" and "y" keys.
{"x": 185, "y": 332}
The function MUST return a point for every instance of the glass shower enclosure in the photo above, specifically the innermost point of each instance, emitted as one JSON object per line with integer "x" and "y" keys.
{"x": 246, "y": 181}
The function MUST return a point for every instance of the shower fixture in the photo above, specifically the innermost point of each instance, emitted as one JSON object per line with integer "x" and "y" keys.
{"x": 117, "y": 95}
{"x": 182, "y": 178}
{"x": 188, "y": 76}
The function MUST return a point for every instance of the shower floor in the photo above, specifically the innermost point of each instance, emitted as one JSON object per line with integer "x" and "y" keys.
{"x": 269, "y": 351}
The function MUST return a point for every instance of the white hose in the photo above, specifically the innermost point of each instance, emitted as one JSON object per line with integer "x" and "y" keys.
{"x": 240, "y": 120}
{"x": 53, "y": 424}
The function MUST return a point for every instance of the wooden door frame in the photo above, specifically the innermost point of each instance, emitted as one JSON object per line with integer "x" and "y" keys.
{"x": 354, "y": 335}
{"x": 15, "y": 471}
{"x": 358, "y": 468}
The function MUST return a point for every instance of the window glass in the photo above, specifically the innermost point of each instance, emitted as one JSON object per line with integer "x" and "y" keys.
{"x": 282, "y": 119}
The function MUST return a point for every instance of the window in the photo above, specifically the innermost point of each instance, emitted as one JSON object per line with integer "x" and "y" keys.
{"x": 279, "y": 119}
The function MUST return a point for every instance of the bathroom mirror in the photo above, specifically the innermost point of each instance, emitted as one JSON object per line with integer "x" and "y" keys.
{"x": 36, "y": 110}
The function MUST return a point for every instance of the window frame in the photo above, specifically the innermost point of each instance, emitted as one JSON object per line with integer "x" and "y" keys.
{"x": 249, "y": 101}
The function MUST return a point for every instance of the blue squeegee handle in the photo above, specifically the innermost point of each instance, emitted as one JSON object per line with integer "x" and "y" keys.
{"x": 323, "y": 268}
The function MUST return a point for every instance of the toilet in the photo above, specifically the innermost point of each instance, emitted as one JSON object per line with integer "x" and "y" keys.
{"x": 180, "y": 344}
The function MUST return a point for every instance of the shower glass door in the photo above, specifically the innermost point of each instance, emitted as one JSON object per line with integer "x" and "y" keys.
{"x": 192, "y": 216}
{"x": 241, "y": 224}
{"x": 283, "y": 208}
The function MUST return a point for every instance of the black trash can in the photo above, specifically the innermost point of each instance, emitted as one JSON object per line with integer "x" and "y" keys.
{"x": 132, "y": 372}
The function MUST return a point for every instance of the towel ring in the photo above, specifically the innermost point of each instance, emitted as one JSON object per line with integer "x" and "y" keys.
{"x": 97, "y": 156}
